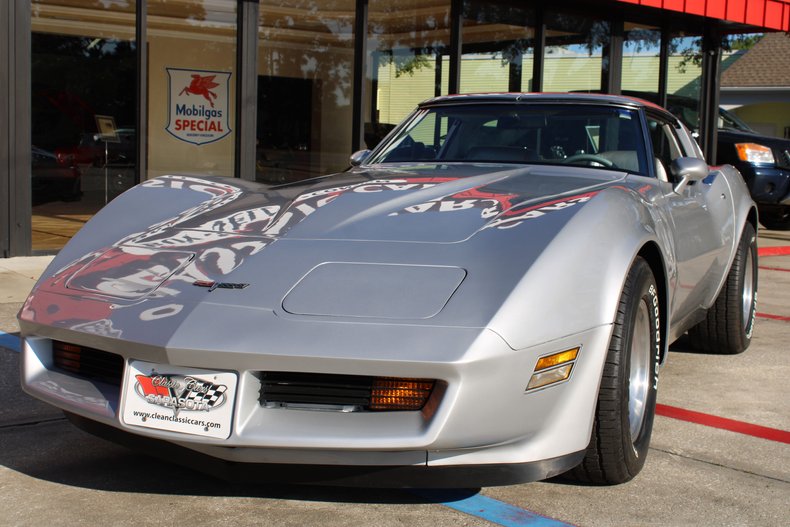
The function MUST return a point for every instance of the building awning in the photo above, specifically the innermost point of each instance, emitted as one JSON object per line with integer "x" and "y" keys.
{"x": 766, "y": 14}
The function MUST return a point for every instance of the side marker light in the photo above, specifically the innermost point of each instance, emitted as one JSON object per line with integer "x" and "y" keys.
{"x": 553, "y": 369}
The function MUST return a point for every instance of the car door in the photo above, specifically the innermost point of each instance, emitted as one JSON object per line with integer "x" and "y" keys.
{"x": 702, "y": 216}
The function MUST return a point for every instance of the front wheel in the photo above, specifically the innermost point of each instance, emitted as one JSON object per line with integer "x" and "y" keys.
{"x": 626, "y": 405}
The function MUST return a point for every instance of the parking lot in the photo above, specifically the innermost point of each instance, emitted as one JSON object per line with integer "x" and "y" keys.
{"x": 720, "y": 453}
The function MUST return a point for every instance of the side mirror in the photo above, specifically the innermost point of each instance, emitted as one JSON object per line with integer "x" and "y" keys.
{"x": 358, "y": 157}
{"x": 687, "y": 170}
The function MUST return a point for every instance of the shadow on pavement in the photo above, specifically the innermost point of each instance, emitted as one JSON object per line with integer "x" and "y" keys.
{"x": 36, "y": 440}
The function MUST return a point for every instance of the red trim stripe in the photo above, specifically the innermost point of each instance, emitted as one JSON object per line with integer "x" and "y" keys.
{"x": 766, "y": 268}
{"x": 722, "y": 423}
{"x": 773, "y": 251}
{"x": 773, "y": 317}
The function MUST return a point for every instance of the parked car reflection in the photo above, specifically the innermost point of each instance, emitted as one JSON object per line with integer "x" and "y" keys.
{"x": 53, "y": 179}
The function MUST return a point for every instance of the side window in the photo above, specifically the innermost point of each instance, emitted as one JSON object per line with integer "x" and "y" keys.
{"x": 666, "y": 146}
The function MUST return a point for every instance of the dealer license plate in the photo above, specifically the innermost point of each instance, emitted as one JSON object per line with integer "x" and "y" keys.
{"x": 185, "y": 400}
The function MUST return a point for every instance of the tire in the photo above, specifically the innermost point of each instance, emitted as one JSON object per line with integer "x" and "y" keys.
{"x": 626, "y": 405}
{"x": 728, "y": 325}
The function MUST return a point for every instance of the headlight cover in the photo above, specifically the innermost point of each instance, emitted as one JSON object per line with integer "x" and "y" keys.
{"x": 755, "y": 153}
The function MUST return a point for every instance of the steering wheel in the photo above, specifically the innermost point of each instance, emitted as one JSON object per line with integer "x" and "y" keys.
{"x": 590, "y": 158}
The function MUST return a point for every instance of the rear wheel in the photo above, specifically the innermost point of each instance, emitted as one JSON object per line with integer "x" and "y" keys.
{"x": 727, "y": 328}
{"x": 627, "y": 397}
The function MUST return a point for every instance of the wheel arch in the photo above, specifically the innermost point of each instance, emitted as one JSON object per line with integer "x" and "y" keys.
{"x": 651, "y": 253}
{"x": 752, "y": 217}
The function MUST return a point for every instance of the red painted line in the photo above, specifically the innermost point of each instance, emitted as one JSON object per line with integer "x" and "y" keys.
{"x": 773, "y": 317}
{"x": 773, "y": 251}
{"x": 722, "y": 423}
{"x": 766, "y": 268}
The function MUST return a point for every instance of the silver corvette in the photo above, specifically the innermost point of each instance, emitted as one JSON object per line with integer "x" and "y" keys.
{"x": 483, "y": 299}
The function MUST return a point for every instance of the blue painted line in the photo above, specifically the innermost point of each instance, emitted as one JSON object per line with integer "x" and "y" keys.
{"x": 9, "y": 341}
{"x": 490, "y": 509}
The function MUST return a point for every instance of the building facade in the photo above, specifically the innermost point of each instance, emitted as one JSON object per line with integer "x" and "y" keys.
{"x": 102, "y": 94}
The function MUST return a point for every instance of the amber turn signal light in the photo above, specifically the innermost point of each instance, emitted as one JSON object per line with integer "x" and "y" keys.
{"x": 391, "y": 393}
{"x": 553, "y": 368}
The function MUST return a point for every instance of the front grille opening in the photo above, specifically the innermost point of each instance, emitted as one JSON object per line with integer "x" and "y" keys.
{"x": 88, "y": 362}
{"x": 344, "y": 393}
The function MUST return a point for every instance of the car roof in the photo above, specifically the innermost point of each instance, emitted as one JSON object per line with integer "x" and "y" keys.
{"x": 593, "y": 98}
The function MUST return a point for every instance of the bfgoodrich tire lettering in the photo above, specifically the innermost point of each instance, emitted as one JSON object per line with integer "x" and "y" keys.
{"x": 627, "y": 397}
{"x": 727, "y": 328}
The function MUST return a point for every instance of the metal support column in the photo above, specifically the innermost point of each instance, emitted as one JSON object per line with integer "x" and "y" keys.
{"x": 360, "y": 69}
{"x": 514, "y": 73}
{"x": 454, "y": 80}
{"x": 6, "y": 59}
{"x": 539, "y": 51}
{"x": 709, "y": 96}
{"x": 612, "y": 69}
{"x": 246, "y": 89}
{"x": 663, "y": 67}
{"x": 15, "y": 152}
{"x": 141, "y": 120}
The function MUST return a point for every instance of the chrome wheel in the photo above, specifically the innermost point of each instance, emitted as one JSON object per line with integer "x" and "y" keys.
{"x": 638, "y": 384}
{"x": 747, "y": 298}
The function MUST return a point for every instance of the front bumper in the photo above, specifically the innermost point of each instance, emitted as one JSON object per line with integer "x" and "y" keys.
{"x": 767, "y": 184}
{"x": 379, "y": 476}
{"x": 485, "y": 422}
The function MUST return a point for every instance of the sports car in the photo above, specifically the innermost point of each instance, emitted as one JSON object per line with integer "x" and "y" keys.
{"x": 485, "y": 298}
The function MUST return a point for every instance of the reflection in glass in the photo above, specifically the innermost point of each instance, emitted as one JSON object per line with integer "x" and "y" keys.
{"x": 684, "y": 78}
{"x": 82, "y": 70}
{"x": 574, "y": 52}
{"x": 598, "y": 137}
{"x": 497, "y": 47}
{"x": 191, "y": 87}
{"x": 408, "y": 46}
{"x": 305, "y": 88}
{"x": 641, "y": 55}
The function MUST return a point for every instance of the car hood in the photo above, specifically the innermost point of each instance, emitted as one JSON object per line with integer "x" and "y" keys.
{"x": 380, "y": 244}
{"x": 431, "y": 203}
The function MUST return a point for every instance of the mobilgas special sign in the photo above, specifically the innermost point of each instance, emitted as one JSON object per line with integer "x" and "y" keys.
{"x": 198, "y": 105}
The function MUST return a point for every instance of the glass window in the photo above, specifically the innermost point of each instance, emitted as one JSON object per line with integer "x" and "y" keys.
{"x": 83, "y": 83}
{"x": 573, "y": 58}
{"x": 498, "y": 42}
{"x": 666, "y": 146}
{"x": 641, "y": 56}
{"x": 305, "y": 88}
{"x": 191, "y": 87}
{"x": 684, "y": 79}
{"x": 594, "y": 136}
{"x": 407, "y": 63}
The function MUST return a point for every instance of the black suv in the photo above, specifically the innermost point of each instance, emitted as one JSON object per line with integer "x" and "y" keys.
{"x": 764, "y": 162}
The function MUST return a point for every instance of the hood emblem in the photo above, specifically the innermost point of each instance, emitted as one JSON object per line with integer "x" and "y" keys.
{"x": 214, "y": 285}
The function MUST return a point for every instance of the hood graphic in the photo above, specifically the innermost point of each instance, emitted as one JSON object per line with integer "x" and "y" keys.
{"x": 149, "y": 275}
{"x": 409, "y": 206}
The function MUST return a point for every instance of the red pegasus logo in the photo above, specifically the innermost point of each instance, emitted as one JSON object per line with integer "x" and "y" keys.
{"x": 202, "y": 86}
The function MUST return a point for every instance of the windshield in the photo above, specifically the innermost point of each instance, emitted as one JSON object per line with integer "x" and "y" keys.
{"x": 729, "y": 121}
{"x": 554, "y": 134}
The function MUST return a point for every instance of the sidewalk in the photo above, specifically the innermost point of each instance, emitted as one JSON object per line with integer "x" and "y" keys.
{"x": 17, "y": 277}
